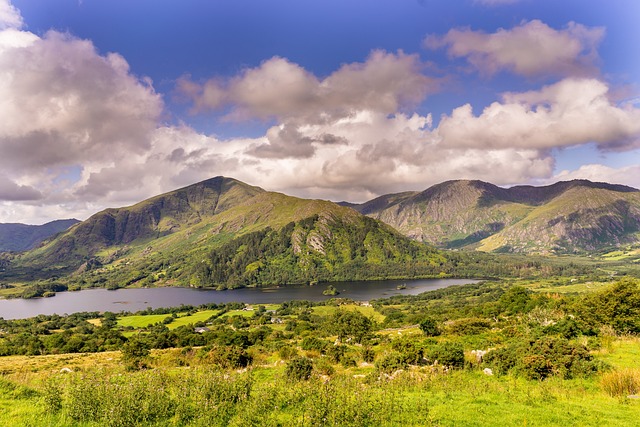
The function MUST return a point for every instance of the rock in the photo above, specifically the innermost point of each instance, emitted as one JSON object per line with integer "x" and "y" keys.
{"x": 487, "y": 371}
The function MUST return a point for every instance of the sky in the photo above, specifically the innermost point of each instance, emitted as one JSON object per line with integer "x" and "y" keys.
{"x": 104, "y": 103}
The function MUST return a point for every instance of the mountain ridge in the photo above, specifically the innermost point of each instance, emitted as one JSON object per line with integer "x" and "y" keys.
{"x": 545, "y": 219}
{"x": 17, "y": 237}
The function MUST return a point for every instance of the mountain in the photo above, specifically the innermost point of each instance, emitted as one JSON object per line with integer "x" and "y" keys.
{"x": 568, "y": 216}
{"x": 222, "y": 232}
{"x": 22, "y": 237}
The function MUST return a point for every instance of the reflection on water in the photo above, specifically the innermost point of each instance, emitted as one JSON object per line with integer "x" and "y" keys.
{"x": 140, "y": 299}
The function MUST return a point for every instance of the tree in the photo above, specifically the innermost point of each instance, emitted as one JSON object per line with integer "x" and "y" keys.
{"x": 351, "y": 324}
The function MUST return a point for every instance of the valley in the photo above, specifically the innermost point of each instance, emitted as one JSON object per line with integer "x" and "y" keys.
{"x": 507, "y": 306}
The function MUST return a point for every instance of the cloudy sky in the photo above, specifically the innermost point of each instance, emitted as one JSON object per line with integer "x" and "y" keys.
{"x": 104, "y": 103}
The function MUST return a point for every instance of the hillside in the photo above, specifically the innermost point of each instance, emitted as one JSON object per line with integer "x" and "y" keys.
{"x": 570, "y": 216}
{"x": 188, "y": 236}
{"x": 21, "y": 237}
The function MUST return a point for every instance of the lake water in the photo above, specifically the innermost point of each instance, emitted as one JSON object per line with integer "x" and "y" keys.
{"x": 139, "y": 299}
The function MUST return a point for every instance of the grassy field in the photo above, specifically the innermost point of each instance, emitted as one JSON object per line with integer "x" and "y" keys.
{"x": 142, "y": 321}
{"x": 312, "y": 366}
{"x": 418, "y": 397}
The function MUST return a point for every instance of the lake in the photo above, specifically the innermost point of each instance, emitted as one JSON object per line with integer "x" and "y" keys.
{"x": 139, "y": 299}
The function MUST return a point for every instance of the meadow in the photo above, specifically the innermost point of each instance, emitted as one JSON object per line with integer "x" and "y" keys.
{"x": 551, "y": 359}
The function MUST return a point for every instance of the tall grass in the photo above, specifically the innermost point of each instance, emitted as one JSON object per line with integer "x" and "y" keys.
{"x": 207, "y": 397}
{"x": 622, "y": 382}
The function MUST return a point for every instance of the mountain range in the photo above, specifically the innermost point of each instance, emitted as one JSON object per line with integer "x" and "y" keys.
{"x": 222, "y": 232}
{"x": 566, "y": 217}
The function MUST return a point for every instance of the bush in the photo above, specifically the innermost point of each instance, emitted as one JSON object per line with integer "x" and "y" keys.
{"x": 539, "y": 358}
{"x": 314, "y": 344}
{"x": 617, "y": 306}
{"x": 336, "y": 352}
{"x": 135, "y": 353}
{"x": 448, "y": 354}
{"x": 430, "y": 327}
{"x": 470, "y": 326}
{"x": 299, "y": 368}
{"x": 233, "y": 357}
{"x": 367, "y": 354}
{"x": 391, "y": 362}
{"x": 287, "y": 352}
{"x": 351, "y": 324}
{"x": 411, "y": 351}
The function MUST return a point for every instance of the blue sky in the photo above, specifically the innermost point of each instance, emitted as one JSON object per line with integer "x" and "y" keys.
{"x": 110, "y": 102}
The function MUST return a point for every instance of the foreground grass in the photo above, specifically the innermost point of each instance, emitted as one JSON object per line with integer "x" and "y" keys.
{"x": 99, "y": 391}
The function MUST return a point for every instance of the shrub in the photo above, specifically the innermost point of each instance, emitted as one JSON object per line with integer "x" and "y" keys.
{"x": 470, "y": 326}
{"x": 286, "y": 352}
{"x": 313, "y": 344}
{"x": 430, "y": 327}
{"x": 448, "y": 354}
{"x": 324, "y": 367}
{"x": 135, "y": 353}
{"x": 515, "y": 300}
{"x": 348, "y": 361}
{"x": 367, "y": 354}
{"x": 391, "y": 362}
{"x": 617, "y": 306}
{"x": 351, "y": 324}
{"x": 539, "y": 358}
{"x": 336, "y": 352}
{"x": 411, "y": 351}
{"x": 299, "y": 368}
{"x": 233, "y": 357}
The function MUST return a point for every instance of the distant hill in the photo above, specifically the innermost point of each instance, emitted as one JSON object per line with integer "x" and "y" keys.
{"x": 568, "y": 216}
{"x": 22, "y": 237}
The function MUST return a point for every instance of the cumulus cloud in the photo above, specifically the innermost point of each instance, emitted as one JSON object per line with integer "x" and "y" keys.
{"x": 80, "y": 132}
{"x": 627, "y": 175}
{"x": 9, "y": 16}
{"x": 281, "y": 89}
{"x": 63, "y": 103}
{"x": 570, "y": 112}
{"x": 10, "y": 191}
{"x": 530, "y": 49}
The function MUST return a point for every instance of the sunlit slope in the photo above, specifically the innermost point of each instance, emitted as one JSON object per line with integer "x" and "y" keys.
{"x": 564, "y": 217}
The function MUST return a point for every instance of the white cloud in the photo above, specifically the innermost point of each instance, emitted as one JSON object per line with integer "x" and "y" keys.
{"x": 80, "y": 132}
{"x": 570, "y": 112}
{"x": 11, "y": 191}
{"x": 64, "y": 104}
{"x": 279, "y": 88}
{"x": 530, "y": 49}
{"x": 9, "y": 16}
{"x": 626, "y": 175}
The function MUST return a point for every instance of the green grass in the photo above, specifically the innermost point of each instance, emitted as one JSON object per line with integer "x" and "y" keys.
{"x": 621, "y": 353}
{"x": 328, "y": 310}
{"x": 142, "y": 321}
{"x": 576, "y": 288}
{"x": 418, "y": 397}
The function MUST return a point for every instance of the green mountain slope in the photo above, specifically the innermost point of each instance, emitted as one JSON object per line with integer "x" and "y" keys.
{"x": 159, "y": 216}
{"x": 224, "y": 233}
{"x": 21, "y": 237}
{"x": 564, "y": 217}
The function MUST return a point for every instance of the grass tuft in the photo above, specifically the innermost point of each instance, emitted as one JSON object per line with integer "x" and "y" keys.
{"x": 623, "y": 382}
